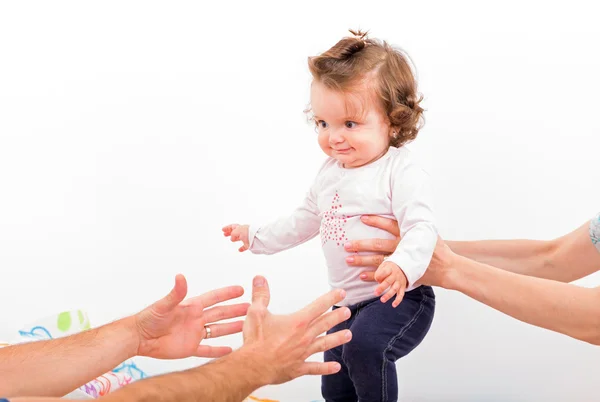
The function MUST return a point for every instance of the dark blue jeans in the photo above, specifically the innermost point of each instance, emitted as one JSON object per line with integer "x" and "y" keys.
{"x": 381, "y": 335}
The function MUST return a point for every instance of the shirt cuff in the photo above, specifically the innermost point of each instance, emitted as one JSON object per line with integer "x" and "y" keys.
{"x": 413, "y": 269}
{"x": 252, "y": 230}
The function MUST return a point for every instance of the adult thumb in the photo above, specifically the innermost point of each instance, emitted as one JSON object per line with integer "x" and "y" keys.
{"x": 260, "y": 292}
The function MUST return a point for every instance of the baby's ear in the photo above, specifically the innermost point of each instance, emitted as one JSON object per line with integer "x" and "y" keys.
{"x": 394, "y": 136}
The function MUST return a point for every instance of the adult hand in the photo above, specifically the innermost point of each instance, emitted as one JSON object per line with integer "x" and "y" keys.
{"x": 381, "y": 247}
{"x": 172, "y": 328}
{"x": 280, "y": 344}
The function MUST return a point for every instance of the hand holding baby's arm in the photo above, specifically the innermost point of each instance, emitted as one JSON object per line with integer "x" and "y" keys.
{"x": 238, "y": 233}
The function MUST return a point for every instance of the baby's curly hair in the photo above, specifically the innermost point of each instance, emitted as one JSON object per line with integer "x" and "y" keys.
{"x": 358, "y": 60}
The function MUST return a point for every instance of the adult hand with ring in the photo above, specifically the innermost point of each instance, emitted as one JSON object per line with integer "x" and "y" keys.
{"x": 172, "y": 328}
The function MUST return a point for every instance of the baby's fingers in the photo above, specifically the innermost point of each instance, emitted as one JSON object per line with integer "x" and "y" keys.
{"x": 390, "y": 293}
{"x": 386, "y": 283}
{"x": 399, "y": 297}
{"x": 236, "y": 235}
{"x": 228, "y": 229}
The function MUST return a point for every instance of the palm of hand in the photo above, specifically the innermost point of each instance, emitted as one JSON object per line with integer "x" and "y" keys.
{"x": 172, "y": 328}
{"x": 171, "y": 335}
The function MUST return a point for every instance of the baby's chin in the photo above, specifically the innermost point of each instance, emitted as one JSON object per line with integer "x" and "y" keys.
{"x": 345, "y": 161}
{"x": 352, "y": 165}
{"x": 350, "y": 161}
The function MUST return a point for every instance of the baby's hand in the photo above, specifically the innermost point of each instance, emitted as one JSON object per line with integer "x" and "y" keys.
{"x": 389, "y": 275}
{"x": 238, "y": 233}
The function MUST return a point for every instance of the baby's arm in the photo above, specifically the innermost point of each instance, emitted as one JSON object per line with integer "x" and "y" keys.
{"x": 412, "y": 207}
{"x": 288, "y": 232}
{"x": 291, "y": 231}
{"x": 302, "y": 225}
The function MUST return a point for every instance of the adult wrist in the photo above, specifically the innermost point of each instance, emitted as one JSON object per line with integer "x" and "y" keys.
{"x": 451, "y": 271}
{"x": 129, "y": 332}
{"x": 260, "y": 371}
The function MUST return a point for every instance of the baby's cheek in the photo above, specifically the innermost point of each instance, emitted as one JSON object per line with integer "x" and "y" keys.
{"x": 324, "y": 143}
{"x": 369, "y": 148}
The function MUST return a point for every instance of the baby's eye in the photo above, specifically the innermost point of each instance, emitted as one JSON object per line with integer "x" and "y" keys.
{"x": 351, "y": 124}
{"x": 322, "y": 124}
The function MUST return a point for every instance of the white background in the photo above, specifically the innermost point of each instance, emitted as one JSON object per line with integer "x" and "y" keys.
{"x": 131, "y": 132}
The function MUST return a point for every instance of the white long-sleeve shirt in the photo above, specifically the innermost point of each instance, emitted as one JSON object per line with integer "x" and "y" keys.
{"x": 393, "y": 186}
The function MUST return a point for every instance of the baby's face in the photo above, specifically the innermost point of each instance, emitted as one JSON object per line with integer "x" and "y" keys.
{"x": 351, "y": 128}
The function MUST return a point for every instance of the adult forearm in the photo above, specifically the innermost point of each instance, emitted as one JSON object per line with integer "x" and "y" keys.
{"x": 560, "y": 307}
{"x": 58, "y": 366}
{"x": 526, "y": 257}
{"x": 229, "y": 379}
